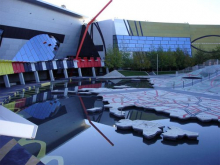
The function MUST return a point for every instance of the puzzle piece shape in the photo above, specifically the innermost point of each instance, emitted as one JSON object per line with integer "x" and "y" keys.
{"x": 174, "y": 133}
{"x": 121, "y": 87}
{"x": 95, "y": 109}
{"x": 178, "y": 105}
{"x": 148, "y": 128}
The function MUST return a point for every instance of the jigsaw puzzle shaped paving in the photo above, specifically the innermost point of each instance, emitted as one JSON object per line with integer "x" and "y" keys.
{"x": 177, "y": 105}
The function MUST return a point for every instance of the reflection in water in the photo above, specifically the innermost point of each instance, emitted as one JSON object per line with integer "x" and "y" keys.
{"x": 64, "y": 119}
{"x": 133, "y": 84}
{"x": 180, "y": 142}
{"x": 140, "y": 114}
{"x": 56, "y": 129}
{"x": 43, "y": 110}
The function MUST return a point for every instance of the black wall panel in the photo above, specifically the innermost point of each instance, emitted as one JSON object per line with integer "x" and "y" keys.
{"x": 27, "y": 34}
{"x": 88, "y": 47}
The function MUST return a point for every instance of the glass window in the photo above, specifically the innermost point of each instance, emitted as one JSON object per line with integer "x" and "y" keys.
{"x": 171, "y": 46}
{"x": 148, "y": 42}
{"x": 142, "y": 38}
{"x": 135, "y": 38}
{"x": 156, "y": 46}
{"x": 120, "y": 37}
{"x": 122, "y": 45}
{"x": 158, "y": 38}
{"x": 130, "y": 49}
{"x": 173, "y": 39}
{"x": 120, "y": 41}
{"x": 31, "y": 59}
{"x": 133, "y": 41}
{"x": 37, "y": 49}
{"x": 150, "y": 38}
{"x": 125, "y": 41}
{"x": 141, "y": 42}
{"x": 166, "y": 38}
{"x": 133, "y": 49}
{"x": 147, "y": 46}
{"x": 180, "y": 42}
{"x": 139, "y": 45}
{"x": 127, "y": 37}
{"x": 182, "y": 39}
{"x": 164, "y": 42}
{"x": 137, "y": 49}
{"x": 131, "y": 45}
{"x": 146, "y": 49}
{"x": 19, "y": 57}
{"x": 176, "y": 46}
{"x": 164, "y": 46}
{"x": 187, "y": 43}
{"x": 156, "y": 42}
{"x": 172, "y": 42}
{"x": 187, "y": 46}
{"x": 25, "y": 58}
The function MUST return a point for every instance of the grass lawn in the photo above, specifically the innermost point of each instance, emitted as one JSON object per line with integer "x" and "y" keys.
{"x": 143, "y": 73}
{"x": 133, "y": 73}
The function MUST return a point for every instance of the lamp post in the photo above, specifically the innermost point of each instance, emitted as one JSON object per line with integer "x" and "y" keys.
{"x": 157, "y": 64}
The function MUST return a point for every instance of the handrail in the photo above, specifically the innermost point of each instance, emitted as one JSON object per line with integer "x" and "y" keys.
{"x": 87, "y": 27}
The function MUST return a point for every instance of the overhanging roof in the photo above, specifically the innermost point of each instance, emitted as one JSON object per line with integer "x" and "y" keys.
{"x": 55, "y": 8}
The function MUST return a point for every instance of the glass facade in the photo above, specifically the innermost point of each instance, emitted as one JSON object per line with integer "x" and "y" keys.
{"x": 144, "y": 44}
{"x": 39, "y": 48}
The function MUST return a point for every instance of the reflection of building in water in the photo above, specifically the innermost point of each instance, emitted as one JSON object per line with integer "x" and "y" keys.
{"x": 65, "y": 120}
{"x": 43, "y": 110}
{"x": 141, "y": 115}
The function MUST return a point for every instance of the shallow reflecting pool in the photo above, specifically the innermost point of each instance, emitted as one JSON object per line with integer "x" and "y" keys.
{"x": 65, "y": 136}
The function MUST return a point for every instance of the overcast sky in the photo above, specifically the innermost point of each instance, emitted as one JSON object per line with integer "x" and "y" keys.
{"x": 179, "y": 11}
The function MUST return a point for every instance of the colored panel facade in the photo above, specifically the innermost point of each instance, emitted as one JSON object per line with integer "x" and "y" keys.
{"x": 6, "y": 67}
{"x": 18, "y": 67}
{"x": 40, "y": 48}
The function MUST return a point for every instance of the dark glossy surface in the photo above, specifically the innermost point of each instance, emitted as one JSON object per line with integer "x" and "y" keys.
{"x": 130, "y": 148}
{"x": 70, "y": 140}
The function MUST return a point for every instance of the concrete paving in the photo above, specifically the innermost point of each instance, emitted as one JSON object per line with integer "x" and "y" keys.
{"x": 179, "y": 104}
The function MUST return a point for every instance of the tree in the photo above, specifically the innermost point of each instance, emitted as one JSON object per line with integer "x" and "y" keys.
{"x": 171, "y": 59}
{"x": 201, "y": 56}
{"x": 216, "y": 53}
{"x": 180, "y": 59}
{"x": 113, "y": 58}
{"x": 152, "y": 55}
{"x": 127, "y": 60}
{"x": 141, "y": 60}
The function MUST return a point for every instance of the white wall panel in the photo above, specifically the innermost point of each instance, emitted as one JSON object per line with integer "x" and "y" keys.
{"x": 30, "y": 16}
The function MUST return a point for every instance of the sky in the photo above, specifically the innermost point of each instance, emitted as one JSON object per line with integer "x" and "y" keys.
{"x": 173, "y": 11}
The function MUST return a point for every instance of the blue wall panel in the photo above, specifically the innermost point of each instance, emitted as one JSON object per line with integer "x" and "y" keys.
{"x": 141, "y": 43}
